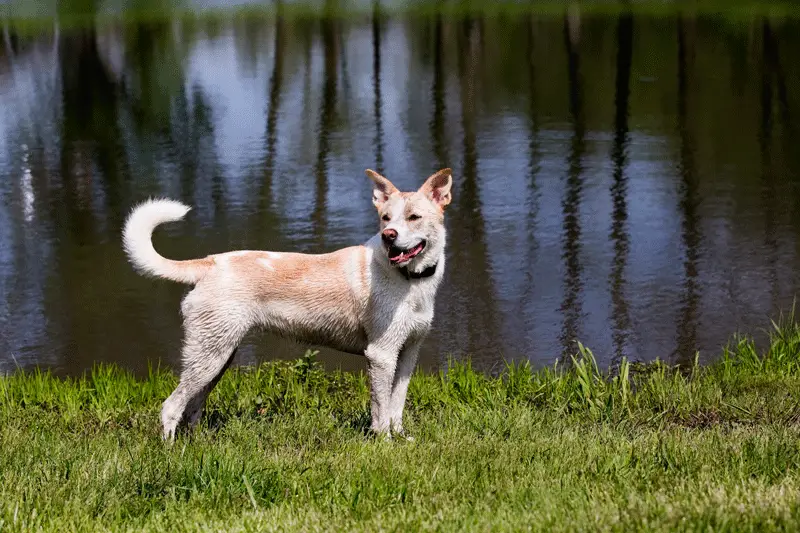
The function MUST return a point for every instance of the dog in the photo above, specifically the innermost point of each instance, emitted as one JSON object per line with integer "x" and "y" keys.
{"x": 375, "y": 299}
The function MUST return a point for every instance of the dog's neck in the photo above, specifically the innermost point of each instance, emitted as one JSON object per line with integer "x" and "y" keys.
{"x": 431, "y": 267}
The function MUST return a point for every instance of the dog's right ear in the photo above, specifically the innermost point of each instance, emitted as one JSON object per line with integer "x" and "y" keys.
{"x": 383, "y": 188}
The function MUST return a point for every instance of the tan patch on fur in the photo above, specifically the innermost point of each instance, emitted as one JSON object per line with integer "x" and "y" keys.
{"x": 312, "y": 284}
{"x": 198, "y": 267}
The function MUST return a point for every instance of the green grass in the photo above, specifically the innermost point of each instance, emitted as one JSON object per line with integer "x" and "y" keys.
{"x": 284, "y": 447}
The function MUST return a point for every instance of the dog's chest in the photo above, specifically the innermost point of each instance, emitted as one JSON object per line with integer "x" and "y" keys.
{"x": 416, "y": 312}
{"x": 408, "y": 311}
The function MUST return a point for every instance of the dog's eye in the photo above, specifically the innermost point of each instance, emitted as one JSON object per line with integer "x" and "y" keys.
{"x": 385, "y": 217}
{"x": 412, "y": 218}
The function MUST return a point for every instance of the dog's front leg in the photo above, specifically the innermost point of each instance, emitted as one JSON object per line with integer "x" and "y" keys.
{"x": 381, "y": 363}
{"x": 405, "y": 367}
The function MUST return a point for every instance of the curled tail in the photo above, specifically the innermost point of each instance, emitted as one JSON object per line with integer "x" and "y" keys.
{"x": 138, "y": 244}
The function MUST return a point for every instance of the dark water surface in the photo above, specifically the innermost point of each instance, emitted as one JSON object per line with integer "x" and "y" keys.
{"x": 630, "y": 181}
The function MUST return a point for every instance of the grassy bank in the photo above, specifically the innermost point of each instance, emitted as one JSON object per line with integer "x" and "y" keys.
{"x": 283, "y": 447}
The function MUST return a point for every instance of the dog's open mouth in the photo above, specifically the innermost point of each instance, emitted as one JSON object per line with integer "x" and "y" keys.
{"x": 398, "y": 256}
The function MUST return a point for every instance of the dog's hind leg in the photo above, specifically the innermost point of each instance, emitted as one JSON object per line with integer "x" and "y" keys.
{"x": 194, "y": 410}
{"x": 207, "y": 352}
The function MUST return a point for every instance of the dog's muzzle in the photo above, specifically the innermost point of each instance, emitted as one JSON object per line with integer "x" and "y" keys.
{"x": 398, "y": 255}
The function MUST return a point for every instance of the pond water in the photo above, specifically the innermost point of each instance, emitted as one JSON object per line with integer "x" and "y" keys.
{"x": 626, "y": 180}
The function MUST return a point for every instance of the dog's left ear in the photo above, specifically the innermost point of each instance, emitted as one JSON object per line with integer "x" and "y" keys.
{"x": 437, "y": 187}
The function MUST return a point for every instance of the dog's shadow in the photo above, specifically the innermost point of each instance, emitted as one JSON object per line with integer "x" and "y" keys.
{"x": 359, "y": 421}
{"x": 214, "y": 421}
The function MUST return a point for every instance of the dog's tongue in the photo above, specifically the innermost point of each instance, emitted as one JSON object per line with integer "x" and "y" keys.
{"x": 402, "y": 257}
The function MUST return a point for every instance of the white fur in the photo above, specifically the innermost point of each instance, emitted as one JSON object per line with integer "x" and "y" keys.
{"x": 136, "y": 239}
{"x": 400, "y": 320}
{"x": 353, "y": 300}
{"x": 266, "y": 263}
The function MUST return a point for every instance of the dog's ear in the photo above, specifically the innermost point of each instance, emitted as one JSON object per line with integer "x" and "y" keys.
{"x": 437, "y": 187}
{"x": 383, "y": 188}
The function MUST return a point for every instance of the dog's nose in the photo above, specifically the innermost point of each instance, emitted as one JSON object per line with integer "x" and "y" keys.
{"x": 389, "y": 235}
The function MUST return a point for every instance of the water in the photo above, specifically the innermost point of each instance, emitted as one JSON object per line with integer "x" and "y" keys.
{"x": 630, "y": 181}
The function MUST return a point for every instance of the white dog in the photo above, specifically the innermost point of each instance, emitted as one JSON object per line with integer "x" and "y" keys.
{"x": 376, "y": 299}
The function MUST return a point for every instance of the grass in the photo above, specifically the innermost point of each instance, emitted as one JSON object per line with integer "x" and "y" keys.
{"x": 284, "y": 447}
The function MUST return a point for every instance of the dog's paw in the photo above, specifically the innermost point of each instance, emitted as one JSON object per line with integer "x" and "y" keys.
{"x": 168, "y": 437}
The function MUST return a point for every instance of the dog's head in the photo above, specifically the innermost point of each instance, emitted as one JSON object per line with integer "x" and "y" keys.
{"x": 412, "y": 223}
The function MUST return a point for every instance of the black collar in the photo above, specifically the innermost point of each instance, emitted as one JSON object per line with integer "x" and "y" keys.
{"x": 428, "y": 272}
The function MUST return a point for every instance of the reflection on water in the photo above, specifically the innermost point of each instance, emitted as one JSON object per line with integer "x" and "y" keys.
{"x": 619, "y": 187}
{"x": 573, "y": 189}
{"x": 691, "y": 233}
{"x": 627, "y": 181}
